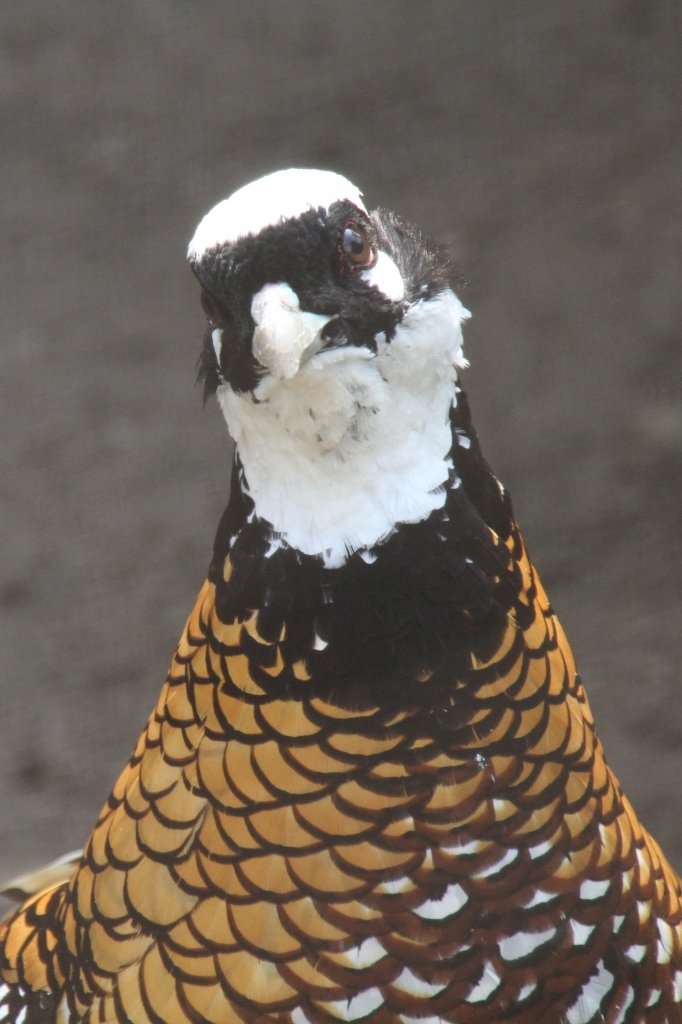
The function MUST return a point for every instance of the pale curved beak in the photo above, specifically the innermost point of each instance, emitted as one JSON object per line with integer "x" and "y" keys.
{"x": 283, "y": 330}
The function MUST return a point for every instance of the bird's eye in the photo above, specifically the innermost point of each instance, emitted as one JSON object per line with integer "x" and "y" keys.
{"x": 356, "y": 245}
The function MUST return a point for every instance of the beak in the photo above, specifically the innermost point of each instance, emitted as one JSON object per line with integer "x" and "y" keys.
{"x": 283, "y": 331}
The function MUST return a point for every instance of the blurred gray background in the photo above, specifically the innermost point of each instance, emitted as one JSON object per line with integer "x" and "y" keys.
{"x": 542, "y": 141}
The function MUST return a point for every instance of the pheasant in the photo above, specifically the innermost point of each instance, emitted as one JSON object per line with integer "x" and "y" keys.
{"x": 371, "y": 789}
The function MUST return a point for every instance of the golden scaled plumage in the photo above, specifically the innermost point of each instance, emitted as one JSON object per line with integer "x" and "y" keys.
{"x": 263, "y": 859}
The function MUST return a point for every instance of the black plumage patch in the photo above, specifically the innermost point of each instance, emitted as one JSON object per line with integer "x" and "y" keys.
{"x": 29, "y": 1007}
{"x": 208, "y": 371}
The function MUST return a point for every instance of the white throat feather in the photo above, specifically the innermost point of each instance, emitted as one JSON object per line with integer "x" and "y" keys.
{"x": 354, "y": 443}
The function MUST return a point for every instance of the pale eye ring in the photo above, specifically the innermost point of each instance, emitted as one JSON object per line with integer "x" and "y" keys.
{"x": 356, "y": 245}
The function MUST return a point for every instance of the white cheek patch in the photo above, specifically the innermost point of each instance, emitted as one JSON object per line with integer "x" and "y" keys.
{"x": 385, "y": 276}
{"x": 283, "y": 332}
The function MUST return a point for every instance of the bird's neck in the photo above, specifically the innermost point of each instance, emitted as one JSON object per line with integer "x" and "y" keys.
{"x": 413, "y": 603}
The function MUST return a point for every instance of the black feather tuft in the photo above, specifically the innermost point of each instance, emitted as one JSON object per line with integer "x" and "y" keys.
{"x": 424, "y": 266}
{"x": 208, "y": 373}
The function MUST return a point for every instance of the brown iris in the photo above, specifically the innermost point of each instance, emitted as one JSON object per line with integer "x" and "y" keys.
{"x": 356, "y": 245}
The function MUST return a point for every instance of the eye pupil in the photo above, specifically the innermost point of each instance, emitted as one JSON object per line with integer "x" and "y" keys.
{"x": 353, "y": 242}
{"x": 356, "y": 245}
